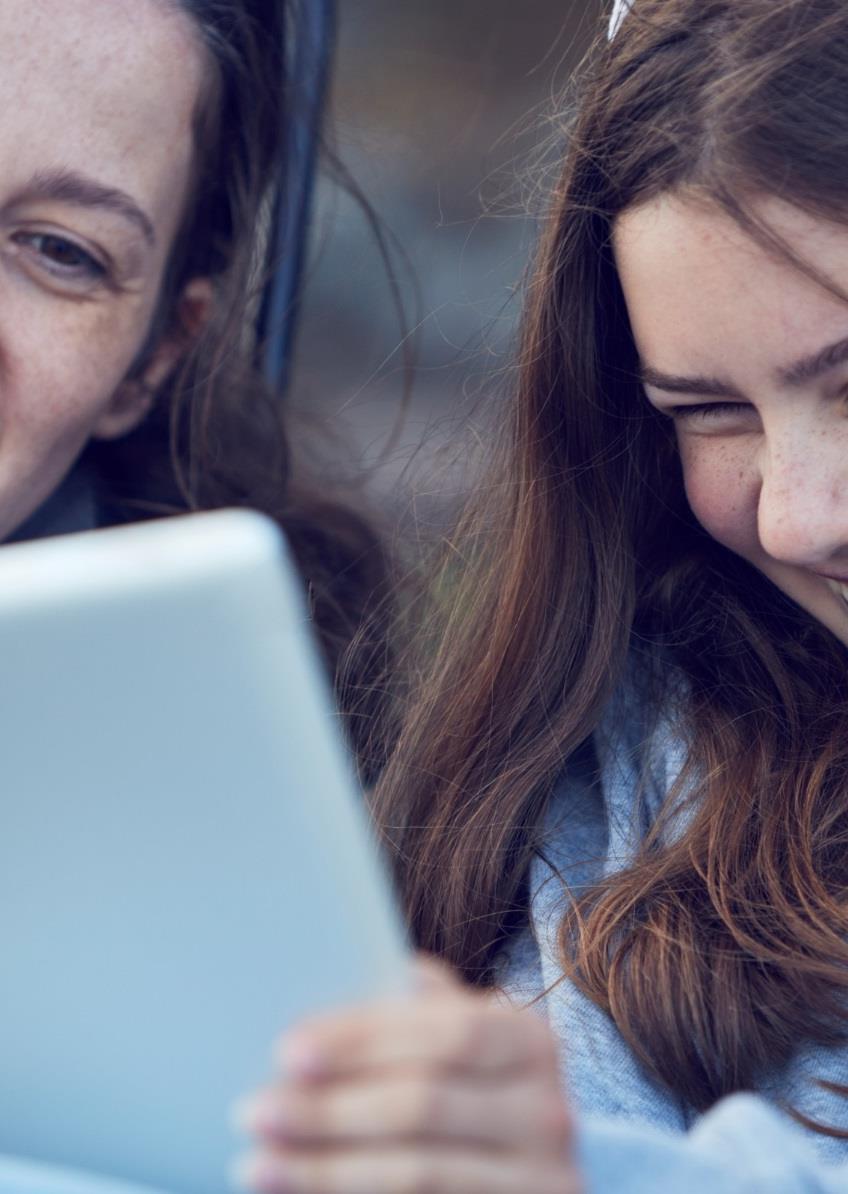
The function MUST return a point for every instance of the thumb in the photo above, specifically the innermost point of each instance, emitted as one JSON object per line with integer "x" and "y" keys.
{"x": 430, "y": 976}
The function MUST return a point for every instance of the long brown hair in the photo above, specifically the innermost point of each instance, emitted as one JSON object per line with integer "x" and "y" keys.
{"x": 219, "y": 435}
{"x": 721, "y": 948}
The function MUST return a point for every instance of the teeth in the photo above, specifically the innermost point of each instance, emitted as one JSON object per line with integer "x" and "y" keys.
{"x": 839, "y": 589}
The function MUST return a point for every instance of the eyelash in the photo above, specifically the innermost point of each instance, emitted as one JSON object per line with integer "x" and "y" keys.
{"x": 707, "y": 409}
{"x": 88, "y": 268}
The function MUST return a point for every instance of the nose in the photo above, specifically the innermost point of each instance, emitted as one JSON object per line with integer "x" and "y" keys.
{"x": 802, "y": 514}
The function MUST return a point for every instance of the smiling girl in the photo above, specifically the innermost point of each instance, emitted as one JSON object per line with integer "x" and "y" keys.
{"x": 622, "y": 791}
{"x": 140, "y": 142}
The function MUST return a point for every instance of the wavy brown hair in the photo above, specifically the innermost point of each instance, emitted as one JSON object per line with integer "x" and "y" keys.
{"x": 719, "y": 950}
{"x": 219, "y": 435}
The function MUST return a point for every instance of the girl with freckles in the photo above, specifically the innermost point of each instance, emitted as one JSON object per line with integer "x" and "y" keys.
{"x": 140, "y": 144}
{"x": 618, "y": 809}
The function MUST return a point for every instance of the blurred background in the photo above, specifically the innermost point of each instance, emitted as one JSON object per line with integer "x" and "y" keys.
{"x": 438, "y": 111}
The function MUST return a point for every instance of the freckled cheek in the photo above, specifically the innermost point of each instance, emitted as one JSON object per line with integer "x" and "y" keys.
{"x": 57, "y": 375}
{"x": 722, "y": 486}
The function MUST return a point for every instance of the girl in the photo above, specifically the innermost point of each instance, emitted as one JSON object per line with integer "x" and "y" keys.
{"x": 134, "y": 178}
{"x": 621, "y": 794}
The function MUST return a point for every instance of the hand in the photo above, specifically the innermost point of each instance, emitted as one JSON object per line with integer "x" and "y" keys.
{"x": 440, "y": 1092}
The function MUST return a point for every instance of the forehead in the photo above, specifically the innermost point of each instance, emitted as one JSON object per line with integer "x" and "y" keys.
{"x": 107, "y": 86}
{"x": 699, "y": 288}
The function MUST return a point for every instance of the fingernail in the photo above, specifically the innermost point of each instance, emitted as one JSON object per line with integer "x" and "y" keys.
{"x": 301, "y": 1058}
{"x": 260, "y": 1173}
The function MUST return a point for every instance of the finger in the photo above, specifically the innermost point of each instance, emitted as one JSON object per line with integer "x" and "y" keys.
{"x": 522, "y": 1116}
{"x": 404, "y": 1171}
{"x": 456, "y": 1033}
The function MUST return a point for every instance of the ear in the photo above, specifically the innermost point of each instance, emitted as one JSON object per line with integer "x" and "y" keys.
{"x": 133, "y": 399}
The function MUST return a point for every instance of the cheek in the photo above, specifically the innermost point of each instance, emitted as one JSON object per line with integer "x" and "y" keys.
{"x": 58, "y": 372}
{"x": 59, "y": 368}
{"x": 722, "y": 486}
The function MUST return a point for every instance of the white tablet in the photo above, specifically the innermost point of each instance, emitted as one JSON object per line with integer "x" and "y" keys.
{"x": 185, "y": 863}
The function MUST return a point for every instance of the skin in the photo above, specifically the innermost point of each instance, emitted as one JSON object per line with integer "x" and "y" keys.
{"x": 79, "y": 282}
{"x": 765, "y": 459}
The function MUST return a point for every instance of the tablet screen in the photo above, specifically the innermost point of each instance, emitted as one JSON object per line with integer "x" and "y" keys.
{"x": 185, "y": 864}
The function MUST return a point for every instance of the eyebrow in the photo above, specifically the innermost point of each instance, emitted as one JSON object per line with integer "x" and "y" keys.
{"x": 799, "y": 373}
{"x": 69, "y": 186}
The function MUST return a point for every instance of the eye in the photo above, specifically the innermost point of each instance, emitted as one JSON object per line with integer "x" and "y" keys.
{"x": 61, "y": 257}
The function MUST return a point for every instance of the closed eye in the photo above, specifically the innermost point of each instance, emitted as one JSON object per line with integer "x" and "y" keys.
{"x": 708, "y": 410}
